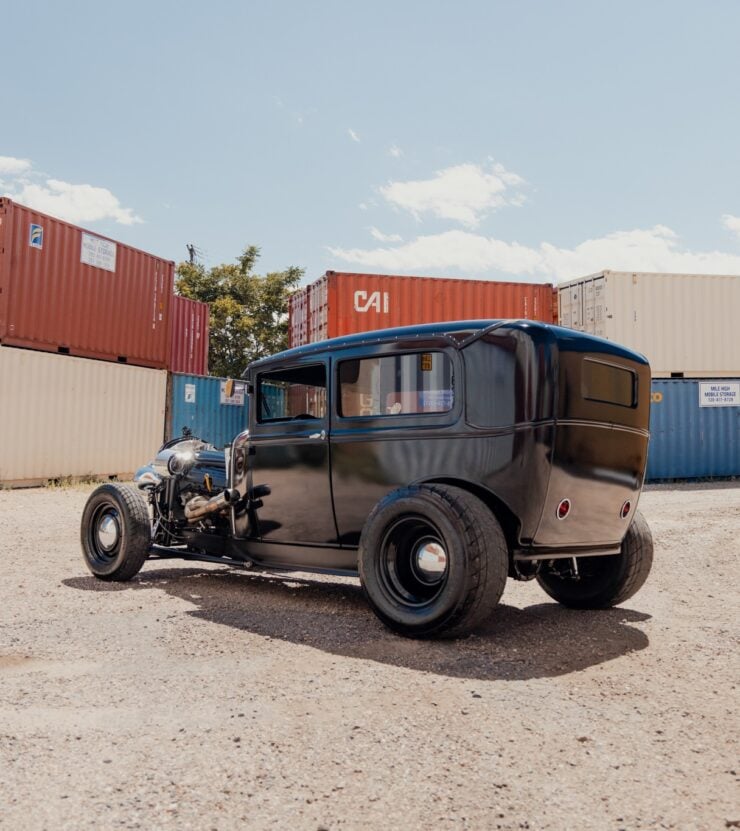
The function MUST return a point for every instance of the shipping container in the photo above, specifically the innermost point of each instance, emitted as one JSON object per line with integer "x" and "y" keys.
{"x": 694, "y": 429}
{"x": 189, "y": 336}
{"x": 685, "y": 324}
{"x": 65, "y": 289}
{"x": 200, "y": 405}
{"x": 342, "y": 303}
{"x": 63, "y": 416}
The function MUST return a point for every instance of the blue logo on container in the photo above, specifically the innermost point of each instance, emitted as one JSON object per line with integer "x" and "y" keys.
{"x": 36, "y": 236}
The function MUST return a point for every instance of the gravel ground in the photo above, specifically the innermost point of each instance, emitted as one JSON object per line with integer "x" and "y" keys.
{"x": 196, "y": 697}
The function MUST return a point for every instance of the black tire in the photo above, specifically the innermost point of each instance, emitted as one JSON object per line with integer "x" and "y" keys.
{"x": 115, "y": 532}
{"x": 604, "y": 582}
{"x": 403, "y": 532}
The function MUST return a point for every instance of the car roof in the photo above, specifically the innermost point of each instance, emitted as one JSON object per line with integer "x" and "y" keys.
{"x": 454, "y": 331}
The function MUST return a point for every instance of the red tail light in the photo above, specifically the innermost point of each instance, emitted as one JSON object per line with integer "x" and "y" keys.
{"x": 626, "y": 508}
{"x": 563, "y": 508}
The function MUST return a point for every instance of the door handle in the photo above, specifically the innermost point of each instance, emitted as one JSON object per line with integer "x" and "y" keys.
{"x": 321, "y": 435}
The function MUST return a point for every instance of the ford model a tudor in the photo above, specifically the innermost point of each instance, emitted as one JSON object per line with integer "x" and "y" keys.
{"x": 434, "y": 461}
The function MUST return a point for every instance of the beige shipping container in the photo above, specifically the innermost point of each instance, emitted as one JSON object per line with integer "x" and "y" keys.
{"x": 63, "y": 416}
{"x": 685, "y": 324}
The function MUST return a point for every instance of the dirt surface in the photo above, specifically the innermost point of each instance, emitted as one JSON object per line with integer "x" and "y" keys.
{"x": 196, "y": 697}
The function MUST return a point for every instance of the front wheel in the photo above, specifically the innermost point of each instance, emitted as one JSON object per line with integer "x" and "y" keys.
{"x": 433, "y": 561}
{"x": 603, "y": 582}
{"x": 115, "y": 532}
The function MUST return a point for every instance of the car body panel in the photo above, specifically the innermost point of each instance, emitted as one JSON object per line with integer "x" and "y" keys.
{"x": 524, "y": 432}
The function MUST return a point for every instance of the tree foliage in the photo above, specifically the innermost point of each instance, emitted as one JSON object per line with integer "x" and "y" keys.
{"x": 249, "y": 312}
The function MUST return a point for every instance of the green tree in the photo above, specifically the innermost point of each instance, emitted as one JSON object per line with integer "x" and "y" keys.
{"x": 249, "y": 313}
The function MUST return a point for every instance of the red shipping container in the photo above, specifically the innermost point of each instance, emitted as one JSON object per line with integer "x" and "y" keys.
{"x": 341, "y": 303}
{"x": 189, "y": 336}
{"x": 64, "y": 289}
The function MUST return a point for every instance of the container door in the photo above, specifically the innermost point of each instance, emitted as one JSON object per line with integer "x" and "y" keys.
{"x": 6, "y": 241}
{"x": 599, "y": 307}
{"x": 576, "y": 306}
{"x": 565, "y": 316}
{"x": 594, "y": 315}
{"x": 588, "y": 306}
{"x": 289, "y": 432}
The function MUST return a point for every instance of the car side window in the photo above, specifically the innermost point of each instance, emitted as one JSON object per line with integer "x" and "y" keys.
{"x": 293, "y": 393}
{"x": 393, "y": 385}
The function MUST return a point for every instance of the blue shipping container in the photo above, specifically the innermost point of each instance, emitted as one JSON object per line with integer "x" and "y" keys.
{"x": 200, "y": 404}
{"x": 694, "y": 429}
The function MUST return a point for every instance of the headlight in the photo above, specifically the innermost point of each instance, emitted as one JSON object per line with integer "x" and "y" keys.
{"x": 180, "y": 463}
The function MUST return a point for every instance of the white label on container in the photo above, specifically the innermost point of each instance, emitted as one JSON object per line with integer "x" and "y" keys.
{"x": 97, "y": 252}
{"x": 190, "y": 393}
{"x": 237, "y": 399}
{"x": 719, "y": 394}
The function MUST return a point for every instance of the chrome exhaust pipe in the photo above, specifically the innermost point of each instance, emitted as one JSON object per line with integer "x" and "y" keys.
{"x": 199, "y": 506}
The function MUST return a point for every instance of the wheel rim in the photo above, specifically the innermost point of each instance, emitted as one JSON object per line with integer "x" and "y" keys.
{"x": 414, "y": 561}
{"x": 108, "y": 533}
{"x": 104, "y": 534}
{"x": 429, "y": 561}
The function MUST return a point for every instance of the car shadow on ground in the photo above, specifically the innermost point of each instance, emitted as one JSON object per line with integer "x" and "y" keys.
{"x": 539, "y": 641}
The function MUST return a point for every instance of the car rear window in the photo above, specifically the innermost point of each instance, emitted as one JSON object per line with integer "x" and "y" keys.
{"x": 394, "y": 385}
{"x": 608, "y": 383}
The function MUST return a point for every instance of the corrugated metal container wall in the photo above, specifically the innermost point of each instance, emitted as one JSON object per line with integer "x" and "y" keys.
{"x": 683, "y": 323}
{"x": 691, "y": 441}
{"x": 201, "y": 405}
{"x": 189, "y": 336}
{"x": 64, "y": 416}
{"x": 342, "y": 303}
{"x": 65, "y": 289}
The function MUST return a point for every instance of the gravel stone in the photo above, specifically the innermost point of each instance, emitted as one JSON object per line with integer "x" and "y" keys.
{"x": 118, "y": 701}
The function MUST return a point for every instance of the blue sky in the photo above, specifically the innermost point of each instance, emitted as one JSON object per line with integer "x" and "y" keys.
{"x": 526, "y": 140}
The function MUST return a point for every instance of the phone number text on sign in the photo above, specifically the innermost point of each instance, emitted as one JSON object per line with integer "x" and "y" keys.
{"x": 719, "y": 394}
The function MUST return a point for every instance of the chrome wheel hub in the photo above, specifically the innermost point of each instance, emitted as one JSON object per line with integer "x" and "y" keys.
{"x": 430, "y": 560}
{"x": 108, "y": 532}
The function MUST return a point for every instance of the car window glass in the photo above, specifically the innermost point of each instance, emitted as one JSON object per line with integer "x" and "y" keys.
{"x": 391, "y": 385}
{"x": 608, "y": 383}
{"x": 295, "y": 393}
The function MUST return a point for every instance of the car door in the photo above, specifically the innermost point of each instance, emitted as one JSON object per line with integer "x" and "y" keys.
{"x": 289, "y": 434}
{"x": 396, "y": 415}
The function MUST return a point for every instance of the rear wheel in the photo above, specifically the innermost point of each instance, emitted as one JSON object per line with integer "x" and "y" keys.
{"x": 602, "y": 582}
{"x": 115, "y": 532}
{"x": 433, "y": 561}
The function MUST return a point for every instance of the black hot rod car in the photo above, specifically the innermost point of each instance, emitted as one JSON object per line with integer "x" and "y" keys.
{"x": 434, "y": 461}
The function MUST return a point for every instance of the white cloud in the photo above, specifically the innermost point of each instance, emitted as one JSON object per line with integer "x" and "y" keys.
{"x": 75, "y": 203}
{"x": 395, "y": 151}
{"x": 463, "y": 193}
{"x": 353, "y": 135}
{"x": 652, "y": 249}
{"x": 362, "y": 206}
{"x": 732, "y": 223}
{"x": 381, "y": 237}
{"x": 10, "y": 166}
